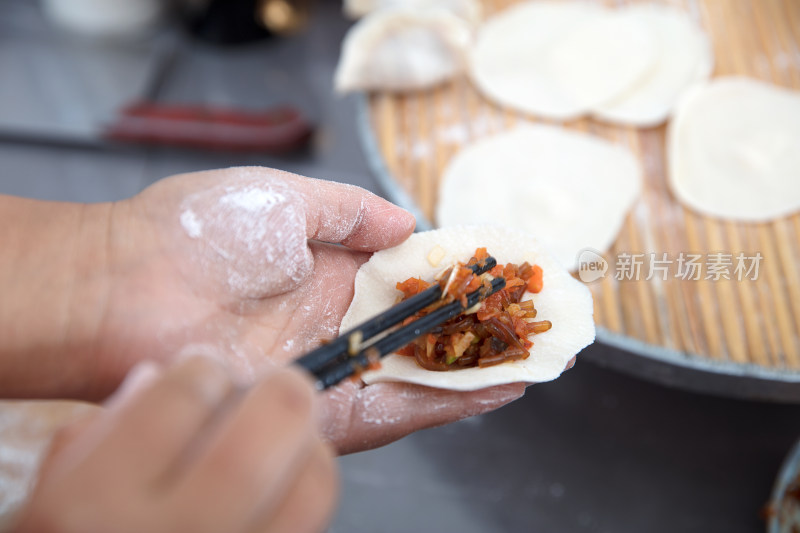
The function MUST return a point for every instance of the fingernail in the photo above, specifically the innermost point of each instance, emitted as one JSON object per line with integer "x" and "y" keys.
{"x": 411, "y": 221}
{"x": 138, "y": 378}
{"x": 198, "y": 349}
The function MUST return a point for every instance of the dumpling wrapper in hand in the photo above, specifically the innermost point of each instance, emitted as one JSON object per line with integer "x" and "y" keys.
{"x": 401, "y": 50}
{"x": 564, "y": 301}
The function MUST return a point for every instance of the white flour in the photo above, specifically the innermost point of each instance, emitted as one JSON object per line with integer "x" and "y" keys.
{"x": 193, "y": 227}
{"x": 253, "y": 199}
{"x": 255, "y": 234}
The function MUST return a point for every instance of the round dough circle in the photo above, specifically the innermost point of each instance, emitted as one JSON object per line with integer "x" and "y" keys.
{"x": 684, "y": 58}
{"x": 558, "y": 60}
{"x": 571, "y": 190}
{"x": 566, "y": 302}
{"x": 734, "y": 150}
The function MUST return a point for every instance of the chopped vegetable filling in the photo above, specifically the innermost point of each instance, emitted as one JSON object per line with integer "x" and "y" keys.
{"x": 496, "y": 332}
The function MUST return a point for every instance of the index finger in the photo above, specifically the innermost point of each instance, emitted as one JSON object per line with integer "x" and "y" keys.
{"x": 352, "y": 216}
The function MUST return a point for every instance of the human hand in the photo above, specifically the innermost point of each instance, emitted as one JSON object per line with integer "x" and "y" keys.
{"x": 234, "y": 264}
{"x": 186, "y": 450}
{"x": 246, "y": 274}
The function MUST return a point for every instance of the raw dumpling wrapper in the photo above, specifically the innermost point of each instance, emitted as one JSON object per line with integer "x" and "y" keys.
{"x": 734, "y": 150}
{"x": 685, "y": 58}
{"x": 559, "y": 59}
{"x": 402, "y": 49}
{"x": 571, "y": 190}
{"x": 566, "y": 302}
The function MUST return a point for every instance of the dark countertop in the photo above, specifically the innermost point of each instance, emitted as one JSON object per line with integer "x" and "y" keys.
{"x": 593, "y": 451}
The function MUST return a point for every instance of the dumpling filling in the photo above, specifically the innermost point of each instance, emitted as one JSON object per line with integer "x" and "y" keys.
{"x": 494, "y": 332}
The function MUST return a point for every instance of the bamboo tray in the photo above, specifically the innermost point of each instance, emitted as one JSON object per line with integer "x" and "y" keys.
{"x": 728, "y": 337}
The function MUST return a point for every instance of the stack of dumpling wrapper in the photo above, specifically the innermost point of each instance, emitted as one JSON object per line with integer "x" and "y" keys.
{"x": 557, "y": 60}
{"x": 637, "y": 65}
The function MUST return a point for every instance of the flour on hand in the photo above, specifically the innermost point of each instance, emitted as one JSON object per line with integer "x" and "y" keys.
{"x": 254, "y": 232}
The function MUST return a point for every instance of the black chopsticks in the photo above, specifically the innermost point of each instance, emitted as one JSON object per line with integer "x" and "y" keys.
{"x": 352, "y": 351}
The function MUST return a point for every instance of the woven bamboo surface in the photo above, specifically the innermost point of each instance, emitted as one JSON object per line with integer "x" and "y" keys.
{"x": 748, "y": 321}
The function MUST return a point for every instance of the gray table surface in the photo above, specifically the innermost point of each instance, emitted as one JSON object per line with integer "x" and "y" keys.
{"x": 593, "y": 451}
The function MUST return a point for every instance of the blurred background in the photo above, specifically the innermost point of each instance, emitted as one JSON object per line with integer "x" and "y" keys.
{"x": 99, "y": 99}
